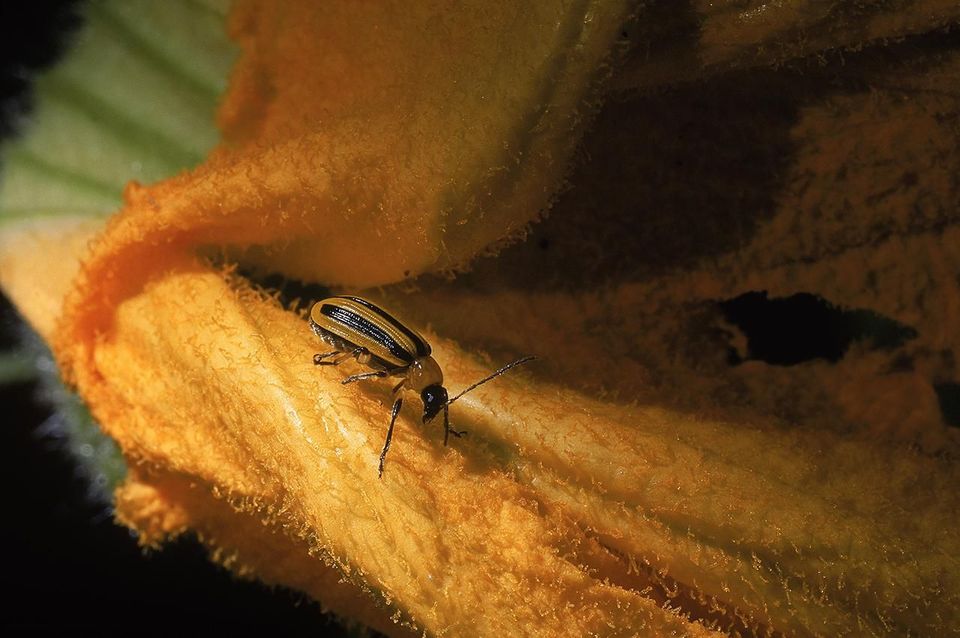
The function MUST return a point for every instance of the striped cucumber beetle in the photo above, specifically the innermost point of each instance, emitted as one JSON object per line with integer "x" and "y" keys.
{"x": 359, "y": 329}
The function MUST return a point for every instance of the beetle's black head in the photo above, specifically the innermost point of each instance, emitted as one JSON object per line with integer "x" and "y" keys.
{"x": 434, "y": 398}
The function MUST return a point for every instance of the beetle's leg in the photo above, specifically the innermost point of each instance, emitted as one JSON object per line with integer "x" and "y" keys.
{"x": 386, "y": 445}
{"x": 377, "y": 374}
{"x": 397, "y": 387}
{"x": 318, "y": 359}
{"x": 356, "y": 352}
{"x": 366, "y": 375}
{"x": 447, "y": 430}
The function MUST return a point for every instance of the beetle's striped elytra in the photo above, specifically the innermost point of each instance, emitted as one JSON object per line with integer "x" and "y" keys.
{"x": 359, "y": 329}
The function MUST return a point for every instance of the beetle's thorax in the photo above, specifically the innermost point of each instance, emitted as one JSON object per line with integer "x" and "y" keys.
{"x": 423, "y": 372}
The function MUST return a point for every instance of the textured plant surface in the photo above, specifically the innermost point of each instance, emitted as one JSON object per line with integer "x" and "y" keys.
{"x": 653, "y": 473}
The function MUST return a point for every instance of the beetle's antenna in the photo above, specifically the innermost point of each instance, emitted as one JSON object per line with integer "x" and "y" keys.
{"x": 493, "y": 376}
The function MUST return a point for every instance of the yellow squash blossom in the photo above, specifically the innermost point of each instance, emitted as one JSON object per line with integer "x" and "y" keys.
{"x": 633, "y": 482}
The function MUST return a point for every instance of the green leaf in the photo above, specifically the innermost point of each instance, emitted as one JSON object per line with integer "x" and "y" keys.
{"x": 133, "y": 99}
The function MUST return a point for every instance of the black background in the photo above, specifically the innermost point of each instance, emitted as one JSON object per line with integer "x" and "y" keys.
{"x": 69, "y": 567}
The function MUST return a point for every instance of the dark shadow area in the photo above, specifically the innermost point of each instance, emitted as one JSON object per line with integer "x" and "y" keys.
{"x": 790, "y": 330}
{"x": 948, "y": 396}
{"x": 291, "y": 293}
{"x": 33, "y": 35}
{"x": 673, "y": 178}
{"x": 662, "y": 181}
{"x": 661, "y": 29}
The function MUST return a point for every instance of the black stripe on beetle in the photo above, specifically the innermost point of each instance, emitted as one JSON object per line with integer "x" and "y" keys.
{"x": 367, "y": 329}
{"x": 423, "y": 348}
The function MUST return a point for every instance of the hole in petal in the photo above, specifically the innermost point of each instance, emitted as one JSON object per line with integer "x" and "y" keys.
{"x": 790, "y": 330}
{"x": 948, "y": 396}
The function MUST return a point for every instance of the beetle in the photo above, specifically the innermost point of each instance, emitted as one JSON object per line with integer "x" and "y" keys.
{"x": 356, "y": 328}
